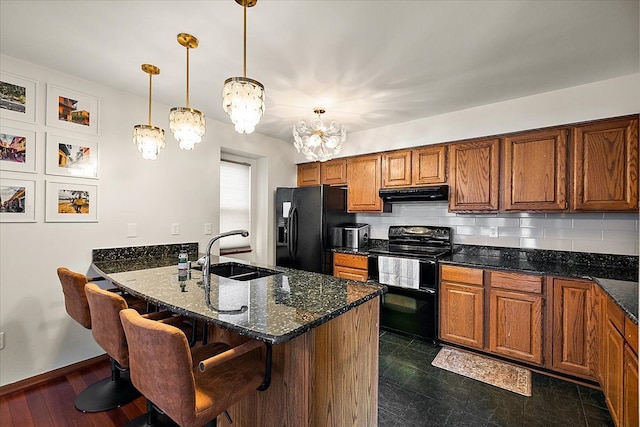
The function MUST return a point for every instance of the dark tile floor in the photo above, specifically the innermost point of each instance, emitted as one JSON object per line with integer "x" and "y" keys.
{"x": 414, "y": 393}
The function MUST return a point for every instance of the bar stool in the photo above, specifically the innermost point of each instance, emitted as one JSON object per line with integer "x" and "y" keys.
{"x": 108, "y": 393}
{"x": 192, "y": 387}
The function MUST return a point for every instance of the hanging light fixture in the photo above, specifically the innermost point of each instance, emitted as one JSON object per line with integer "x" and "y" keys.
{"x": 243, "y": 98}
{"x": 148, "y": 138}
{"x": 187, "y": 124}
{"x": 319, "y": 142}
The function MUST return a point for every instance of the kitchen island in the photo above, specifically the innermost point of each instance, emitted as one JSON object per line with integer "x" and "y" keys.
{"x": 324, "y": 331}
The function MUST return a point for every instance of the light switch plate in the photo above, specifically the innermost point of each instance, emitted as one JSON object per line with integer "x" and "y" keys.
{"x": 493, "y": 231}
{"x": 1, "y": 340}
{"x": 132, "y": 229}
{"x": 207, "y": 228}
{"x": 175, "y": 228}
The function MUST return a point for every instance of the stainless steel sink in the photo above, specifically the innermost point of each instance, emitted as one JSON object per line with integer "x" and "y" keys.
{"x": 242, "y": 272}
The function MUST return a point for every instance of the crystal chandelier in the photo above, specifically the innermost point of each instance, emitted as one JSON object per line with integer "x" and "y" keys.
{"x": 319, "y": 142}
{"x": 243, "y": 98}
{"x": 187, "y": 124}
{"x": 148, "y": 138}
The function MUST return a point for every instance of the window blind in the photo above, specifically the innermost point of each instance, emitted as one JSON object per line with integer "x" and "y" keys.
{"x": 235, "y": 202}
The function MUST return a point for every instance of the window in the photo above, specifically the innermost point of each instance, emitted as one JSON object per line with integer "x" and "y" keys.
{"x": 235, "y": 204}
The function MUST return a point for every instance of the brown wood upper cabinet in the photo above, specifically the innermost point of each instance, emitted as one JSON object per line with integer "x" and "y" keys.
{"x": 308, "y": 174}
{"x": 364, "y": 177}
{"x": 396, "y": 169}
{"x": 428, "y": 165}
{"x": 605, "y": 166}
{"x": 334, "y": 172}
{"x": 474, "y": 173}
{"x": 534, "y": 171}
{"x": 415, "y": 167}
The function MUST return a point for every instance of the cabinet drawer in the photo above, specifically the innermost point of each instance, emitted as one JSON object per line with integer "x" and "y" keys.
{"x": 350, "y": 273}
{"x": 353, "y": 261}
{"x": 516, "y": 281}
{"x": 470, "y": 276}
{"x": 615, "y": 315}
{"x": 631, "y": 334}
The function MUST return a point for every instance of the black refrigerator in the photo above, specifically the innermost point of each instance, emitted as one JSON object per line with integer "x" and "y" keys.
{"x": 304, "y": 219}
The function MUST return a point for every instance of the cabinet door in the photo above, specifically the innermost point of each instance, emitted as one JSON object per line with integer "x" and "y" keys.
{"x": 428, "y": 165}
{"x": 605, "y": 166}
{"x": 364, "y": 176}
{"x": 396, "y": 169}
{"x": 474, "y": 175}
{"x": 334, "y": 172}
{"x": 600, "y": 320}
{"x": 630, "y": 383}
{"x": 515, "y": 325}
{"x": 614, "y": 372}
{"x": 534, "y": 171}
{"x": 461, "y": 314}
{"x": 308, "y": 174}
{"x": 573, "y": 327}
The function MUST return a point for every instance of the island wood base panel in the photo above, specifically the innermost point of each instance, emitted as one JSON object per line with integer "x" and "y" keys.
{"x": 326, "y": 377}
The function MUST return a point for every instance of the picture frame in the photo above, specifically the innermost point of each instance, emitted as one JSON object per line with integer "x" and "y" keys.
{"x": 17, "y": 98}
{"x": 17, "y": 148}
{"x": 70, "y": 202}
{"x": 17, "y": 200}
{"x": 71, "y": 157}
{"x": 71, "y": 110}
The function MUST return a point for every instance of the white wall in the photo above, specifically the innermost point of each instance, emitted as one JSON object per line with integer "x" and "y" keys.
{"x": 179, "y": 187}
{"x": 584, "y": 232}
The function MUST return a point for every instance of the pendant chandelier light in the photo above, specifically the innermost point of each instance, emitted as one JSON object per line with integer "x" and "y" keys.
{"x": 187, "y": 124}
{"x": 319, "y": 142}
{"x": 243, "y": 98}
{"x": 148, "y": 138}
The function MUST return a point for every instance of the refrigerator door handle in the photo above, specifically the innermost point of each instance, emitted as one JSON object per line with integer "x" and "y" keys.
{"x": 294, "y": 232}
{"x": 290, "y": 232}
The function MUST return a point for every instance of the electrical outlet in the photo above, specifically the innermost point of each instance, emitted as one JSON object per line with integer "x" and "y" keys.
{"x": 493, "y": 231}
{"x": 207, "y": 228}
{"x": 175, "y": 228}
{"x": 1, "y": 340}
{"x": 132, "y": 229}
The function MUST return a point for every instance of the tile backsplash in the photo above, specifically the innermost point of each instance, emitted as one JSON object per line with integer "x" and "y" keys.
{"x": 610, "y": 233}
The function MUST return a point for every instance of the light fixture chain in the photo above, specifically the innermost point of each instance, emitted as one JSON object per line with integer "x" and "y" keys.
{"x": 244, "y": 61}
{"x": 187, "y": 76}
{"x": 150, "y": 79}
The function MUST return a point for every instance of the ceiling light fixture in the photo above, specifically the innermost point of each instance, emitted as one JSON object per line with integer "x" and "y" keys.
{"x": 319, "y": 142}
{"x": 187, "y": 124}
{"x": 148, "y": 138}
{"x": 243, "y": 98}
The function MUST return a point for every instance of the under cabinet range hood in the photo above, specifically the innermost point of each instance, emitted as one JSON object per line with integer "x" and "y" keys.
{"x": 414, "y": 194}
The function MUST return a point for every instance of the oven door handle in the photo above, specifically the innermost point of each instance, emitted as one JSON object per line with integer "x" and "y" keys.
{"x": 429, "y": 291}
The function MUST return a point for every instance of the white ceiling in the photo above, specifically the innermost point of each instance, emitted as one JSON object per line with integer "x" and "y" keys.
{"x": 369, "y": 63}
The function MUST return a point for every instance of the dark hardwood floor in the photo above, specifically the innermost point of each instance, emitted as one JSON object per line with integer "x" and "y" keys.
{"x": 51, "y": 404}
{"x": 412, "y": 393}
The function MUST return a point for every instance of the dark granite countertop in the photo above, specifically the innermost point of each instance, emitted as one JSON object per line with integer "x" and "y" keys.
{"x": 278, "y": 307}
{"x": 616, "y": 275}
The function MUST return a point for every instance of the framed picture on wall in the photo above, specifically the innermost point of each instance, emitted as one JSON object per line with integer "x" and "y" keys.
{"x": 17, "y": 149}
{"x": 17, "y": 200}
{"x": 71, "y": 157}
{"x": 17, "y": 98}
{"x": 71, "y": 110}
{"x": 70, "y": 202}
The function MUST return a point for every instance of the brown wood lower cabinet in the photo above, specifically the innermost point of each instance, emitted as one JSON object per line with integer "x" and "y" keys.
{"x": 630, "y": 387}
{"x": 573, "y": 327}
{"x": 348, "y": 266}
{"x": 515, "y": 325}
{"x": 462, "y": 306}
{"x": 614, "y": 370}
